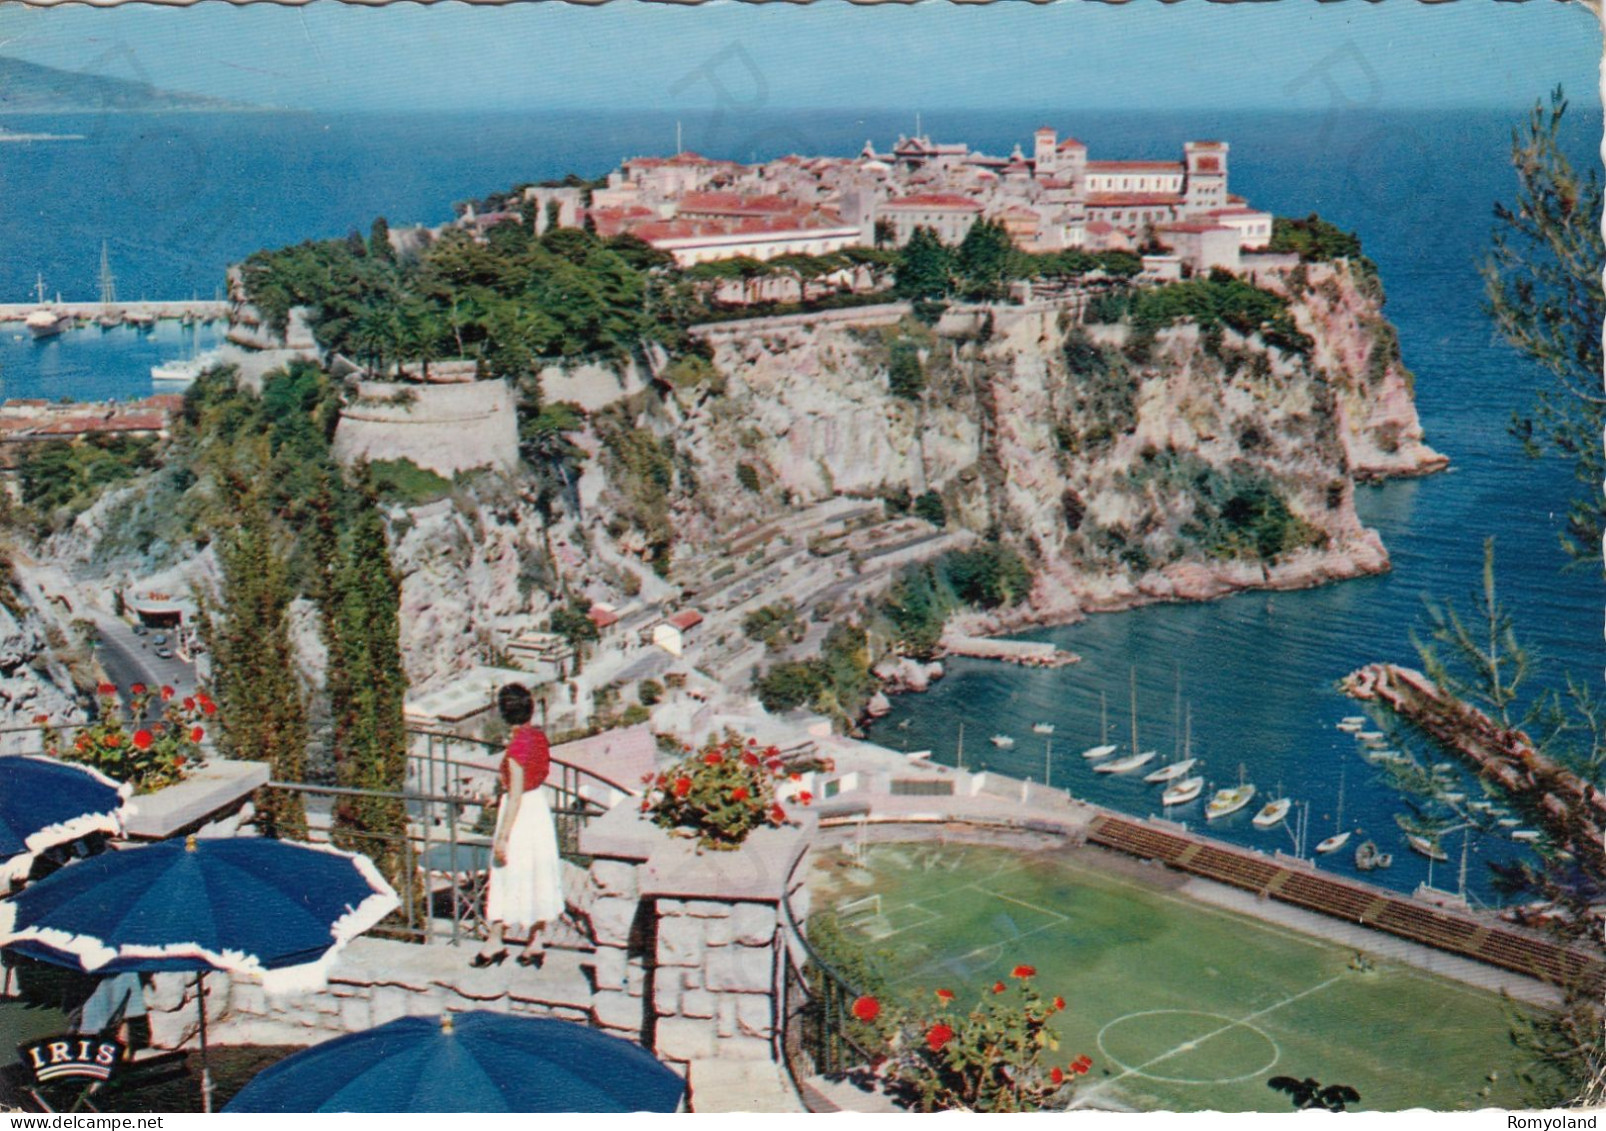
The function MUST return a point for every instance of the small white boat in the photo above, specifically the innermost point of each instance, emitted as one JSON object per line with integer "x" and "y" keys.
{"x": 1272, "y": 813}
{"x": 1454, "y": 798}
{"x": 1127, "y": 764}
{"x": 1042, "y": 728}
{"x": 1443, "y": 767}
{"x": 1003, "y": 741}
{"x": 1426, "y": 847}
{"x": 1182, "y": 792}
{"x": 1103, "y": 751}
{"x": 1527, "y": 836}
{"x": 1171, "y": 771}
{"x": 1334, "y": 842}
{"x": 1350, "y": 728}
{"x": 46, "y": 323}
{"x": 1508, "y": 822}
{"x": 183, "y": 371}
{"x": 1229, "y": 801}
{"x": 1370, "y": 735}
{"x": 1355, "y": 721}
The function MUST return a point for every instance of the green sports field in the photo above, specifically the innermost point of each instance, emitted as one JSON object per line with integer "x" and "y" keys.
{"x": 1182, "y": 1006}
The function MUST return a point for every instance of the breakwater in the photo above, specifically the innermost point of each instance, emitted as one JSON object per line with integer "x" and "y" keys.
{"x": 193, "y": 309}
{"x": 1572, "y": 811}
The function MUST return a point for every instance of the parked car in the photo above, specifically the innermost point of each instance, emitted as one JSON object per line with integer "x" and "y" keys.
{"x": 159, "y": 639}
{"x": 164, "y": 653}
{"x": 139, "y": 630}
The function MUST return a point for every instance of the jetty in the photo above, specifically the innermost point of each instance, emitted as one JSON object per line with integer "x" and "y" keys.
{"x": 1572, "y": 811}
{"x": 1027, "y": 653}
{"x": 196, "y": 310}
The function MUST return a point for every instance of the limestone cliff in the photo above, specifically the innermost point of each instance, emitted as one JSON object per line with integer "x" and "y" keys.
{"x": 1126, "y": 471}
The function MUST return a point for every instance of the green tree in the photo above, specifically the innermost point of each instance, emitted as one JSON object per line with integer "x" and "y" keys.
{"x": 253, "y": 662}
{"x": 925, "y": 267}
{"x": 906, "y": 376}
{"x": 379, "y": 241}
{"x": 985, "y": 260}
{"x": 366, "y": 694}
{"x": 930, "y": 507}
{"x": 1544, "y": 294}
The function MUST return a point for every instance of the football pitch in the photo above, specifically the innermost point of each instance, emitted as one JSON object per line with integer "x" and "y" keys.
{"x": 1182, "y": 1006}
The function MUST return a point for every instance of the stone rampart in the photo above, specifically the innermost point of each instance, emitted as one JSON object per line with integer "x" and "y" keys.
{"x": 444, "y": 428}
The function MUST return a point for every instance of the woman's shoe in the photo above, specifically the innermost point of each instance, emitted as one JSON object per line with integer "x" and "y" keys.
{"x": 535, "y": 958}
{"x": 483, "y": 960}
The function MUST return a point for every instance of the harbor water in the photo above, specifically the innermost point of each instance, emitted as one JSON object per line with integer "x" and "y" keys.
{"x": 178, "y": 197}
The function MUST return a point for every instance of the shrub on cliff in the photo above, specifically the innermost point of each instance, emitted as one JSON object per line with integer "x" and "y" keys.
{"x": 1313, "y": 239}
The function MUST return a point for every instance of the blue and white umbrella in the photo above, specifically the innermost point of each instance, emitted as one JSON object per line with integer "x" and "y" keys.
{"x": 467, "y": 1062}
{"x": 273, "y": 910}
{"x": 45, "y": 803}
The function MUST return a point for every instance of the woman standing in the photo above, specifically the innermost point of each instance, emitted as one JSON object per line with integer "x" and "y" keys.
{"x": 525, "y": 886}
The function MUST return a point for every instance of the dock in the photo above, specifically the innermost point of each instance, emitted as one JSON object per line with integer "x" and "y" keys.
{"x": 1030, "y": 654}
{"x": 196, "y": 310}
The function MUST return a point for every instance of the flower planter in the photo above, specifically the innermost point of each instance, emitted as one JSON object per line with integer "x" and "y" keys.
{"x": 216, "y": 789}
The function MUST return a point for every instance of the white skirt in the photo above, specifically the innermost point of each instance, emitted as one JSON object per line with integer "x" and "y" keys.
{"x": 529, "y": 888}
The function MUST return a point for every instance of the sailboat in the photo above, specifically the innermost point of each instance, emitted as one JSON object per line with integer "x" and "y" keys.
{"x": 1340, "y": 835}
{"x": 1042, "y": 728}
{"x": 1002, "y": 741}
{"x": 1428, "y": 848}
{"x": 1134, "y": 760}
{"x": 1185, "y": 761}
{"x": 1182, "y": 792}
{"x": 1105, "y": 747}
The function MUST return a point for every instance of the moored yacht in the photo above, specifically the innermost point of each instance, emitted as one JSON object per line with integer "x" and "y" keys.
{"x": 46, "y": 323}
{"x": 1171, "y": 771}
{"x": 1127, "y": 764}
{"x": 1182, "y": 792}
{"x": 1228, "y": 801}
{"x": 1272, "y": 813}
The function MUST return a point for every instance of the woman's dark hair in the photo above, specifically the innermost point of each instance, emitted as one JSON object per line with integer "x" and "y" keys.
{"x": 516, "y": 704}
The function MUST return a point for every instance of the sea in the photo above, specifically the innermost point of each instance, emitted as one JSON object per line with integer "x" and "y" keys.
{"x": 175, "y": 198}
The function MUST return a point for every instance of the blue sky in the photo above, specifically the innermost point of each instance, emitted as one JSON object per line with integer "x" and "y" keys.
{"x": 1296, "y": 54}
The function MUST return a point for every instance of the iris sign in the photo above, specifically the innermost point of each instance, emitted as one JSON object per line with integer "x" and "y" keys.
{"x": 71, "y": 1057}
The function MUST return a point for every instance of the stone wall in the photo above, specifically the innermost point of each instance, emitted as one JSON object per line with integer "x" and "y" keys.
{"x": 445, "y": 428}
{"x": 689, "y": 944}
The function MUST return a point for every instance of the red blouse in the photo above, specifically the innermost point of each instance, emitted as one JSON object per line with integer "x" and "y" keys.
{"x": 529, "y": 749}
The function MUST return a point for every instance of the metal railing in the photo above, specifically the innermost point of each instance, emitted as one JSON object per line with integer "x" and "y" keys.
{"x": 816, "y": 1003}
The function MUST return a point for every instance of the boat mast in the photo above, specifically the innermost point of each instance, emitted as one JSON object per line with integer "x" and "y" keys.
{"x": 1338, "y": 821}
{"x": 39, "y": 286}
{"x": 108, "y": 281}
{"x": 960, "y": 757}
{"x": 1048, "y": 756}
{"x": 1104, "y": 718}
{"x": 1465, "y": 836}
{"x": 1176, "y": 717}
{"x": 1134, "y": 694}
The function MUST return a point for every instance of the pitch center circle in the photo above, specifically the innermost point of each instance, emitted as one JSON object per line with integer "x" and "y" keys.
{"x": 1209, "y": 1027}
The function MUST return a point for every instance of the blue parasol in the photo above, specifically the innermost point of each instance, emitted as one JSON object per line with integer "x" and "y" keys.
{"x": 467, "y": 1062}
{"x": 45, "y": 803}
{"x": 275, "y": 910}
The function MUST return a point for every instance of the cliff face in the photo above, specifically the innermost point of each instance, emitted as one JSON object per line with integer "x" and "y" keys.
{"x": 1126, "y": 472}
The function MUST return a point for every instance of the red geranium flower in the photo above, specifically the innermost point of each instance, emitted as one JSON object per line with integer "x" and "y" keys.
{"x": 106, "y": 689}
{"x": 777, "y": 814}
{"x": 208, "y": 707}
{"x": 866, "y": 1008}
{"x": 646, "y": 778}
{"x": 750, "y": 759}
{"x": 178, "y": 760}
{"x": 937, "y": 1036}
{"x": 797, "y": 777}
{"x": 1023, "y": 972}
{"x": 197, "y": 734}
{"x": 143, "y": 739}
{"x": 41, "y": 720}
{"x": 80, "y": 744}
{"x": 999, "y": 987}
{"x": 136, "y": 689}
{"x": 682, "y": 787}
{"x": 1057, "y": 1075}
{"x": 805, "y": 797}
{"x": 945, "y": 995}
{"x": 189, "y": 703}
{"x": 167, "y": 693}
{"x": 1059, "y": 1002}
{"x": 114, "y": 741}
{"x": 712, "y": 758}
{"x": 752, "y": 742}
{"x": 739, "y": 793}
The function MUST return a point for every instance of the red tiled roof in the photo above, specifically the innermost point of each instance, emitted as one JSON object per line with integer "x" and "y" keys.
{"x": 602, "y": 617}
{"x": 1071, "y": 143}
{"x": 1236, "y": 212}
{"x": 1131, "y": 199}
{"x": 734, "y": 204}
{"x": 689, "y": 618}
{"x": 930, "y": 200}
{"x": 658, "y": 230}
{"x": 1194, "y": 227}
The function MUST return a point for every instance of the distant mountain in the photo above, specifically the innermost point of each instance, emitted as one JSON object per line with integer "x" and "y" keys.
{"x": 30, "y": 87}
